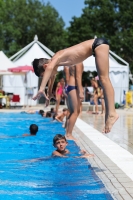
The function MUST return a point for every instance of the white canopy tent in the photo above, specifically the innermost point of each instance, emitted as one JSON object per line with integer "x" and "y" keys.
{"x": 119, "y": 74}
{"x": 5, "y": 63}
{"x": 19, "y": 84}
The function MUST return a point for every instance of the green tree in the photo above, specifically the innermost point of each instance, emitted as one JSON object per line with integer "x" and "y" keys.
{"x": 20, "y": 20}
{"x": 111, "y": 19}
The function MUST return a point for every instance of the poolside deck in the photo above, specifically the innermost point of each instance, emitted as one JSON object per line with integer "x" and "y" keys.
{"x": 113, "y": 161}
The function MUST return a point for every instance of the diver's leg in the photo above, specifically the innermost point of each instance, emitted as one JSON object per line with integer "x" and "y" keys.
{"x": 73, "y": 103}
{"x": 102, "y": 63}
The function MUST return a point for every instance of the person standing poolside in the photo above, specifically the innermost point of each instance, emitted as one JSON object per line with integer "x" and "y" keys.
{"x": 101, "y": 97}
{"x": 59, "y": 93}
{"x": 96, "y": 94}
{"x": 75, "y": 95}
{"x": 98, "y": 47}
{"x": 102, "y": 100}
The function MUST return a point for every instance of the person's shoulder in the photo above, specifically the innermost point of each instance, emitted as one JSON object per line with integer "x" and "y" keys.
{"x": 67, "y": 151}
{"x": 56, "y": 153}
{"x": 60, "y": 115}
{"x": 58, "y": 84}
{"x": 26, "y": 134}
{"x": 53, "y": 153}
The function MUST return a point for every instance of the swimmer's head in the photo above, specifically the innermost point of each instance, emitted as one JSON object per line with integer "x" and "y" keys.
{"x": 52, "y": 110}
{"x": 41, "y": 112}
{"x": 62, "y": 81}
{"x": 33, "y": 129}
{"x": 60, "y": 142}
{"x": 93, "y": 81}
{"x": 65, "y": 111}
{"x": 39, "y": 66}
{"x": 48, "y": 114}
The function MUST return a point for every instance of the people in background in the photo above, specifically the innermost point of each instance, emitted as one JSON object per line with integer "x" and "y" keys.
{"x": 86, "y": 91}
{"x": 33, "y": 112}
{"x": 48, "y": 114}
{"x": 60, "y": 117}
{"x": 59, "y": 93}
{"x": 96, "y": 94}
{"x": 101, "y": 96}
{"x": 52, "y": 110}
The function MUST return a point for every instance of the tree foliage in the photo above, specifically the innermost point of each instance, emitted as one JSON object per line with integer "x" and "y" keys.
{"x": 112, "y": 19}
{"x": 20, "y": 20}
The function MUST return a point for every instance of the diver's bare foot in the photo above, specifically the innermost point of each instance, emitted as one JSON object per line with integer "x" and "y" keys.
{"x": 70, "y": 137}
{"x": 110, "y": 122}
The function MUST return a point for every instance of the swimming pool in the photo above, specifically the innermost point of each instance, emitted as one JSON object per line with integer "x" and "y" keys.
{"x": 50, "y": 178}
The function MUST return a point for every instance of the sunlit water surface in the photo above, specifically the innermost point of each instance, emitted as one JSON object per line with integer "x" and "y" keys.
{"x": 24, "y": 177}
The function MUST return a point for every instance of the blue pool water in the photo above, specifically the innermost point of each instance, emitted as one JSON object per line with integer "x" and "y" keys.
{"x": 21, "y": 178}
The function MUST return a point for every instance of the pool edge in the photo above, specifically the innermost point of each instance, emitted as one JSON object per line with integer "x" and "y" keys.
{"x": 118, "y": 183}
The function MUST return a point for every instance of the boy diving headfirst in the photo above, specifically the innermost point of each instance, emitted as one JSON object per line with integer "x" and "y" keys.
{"x": 98, "y": 47}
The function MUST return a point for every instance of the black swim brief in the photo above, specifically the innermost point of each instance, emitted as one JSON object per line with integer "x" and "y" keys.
{"x": 97, "y": 42}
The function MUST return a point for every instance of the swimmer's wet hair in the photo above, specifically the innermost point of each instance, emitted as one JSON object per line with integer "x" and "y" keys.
{"x": 38, "y": 65}
{"x": 65, "y": 109}
{"x": 48, "y": 114}
{"x": 52, "y": 110}
{"x": 41, "y": 112}
{"x": 58, "y": 137}
{"x": 33, "y": 129}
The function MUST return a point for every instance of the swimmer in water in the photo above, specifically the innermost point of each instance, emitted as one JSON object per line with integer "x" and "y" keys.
{"x": 98, "y": 47}
{"x": 60, "y": 117}
{"x": 60, "y": 143}
{"x": 33, "y": 130}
